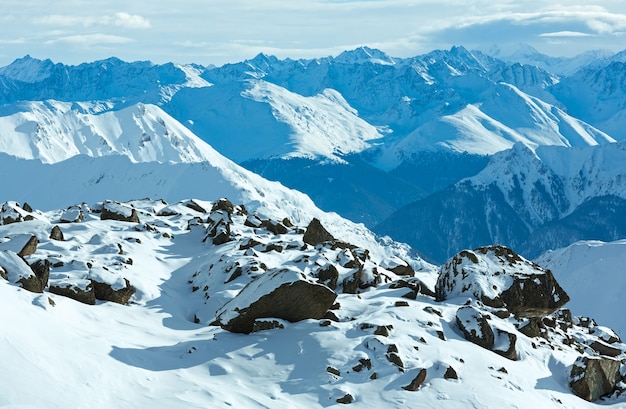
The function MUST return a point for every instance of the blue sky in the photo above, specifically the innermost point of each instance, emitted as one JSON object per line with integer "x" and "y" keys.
{"x": 217, "y": 32}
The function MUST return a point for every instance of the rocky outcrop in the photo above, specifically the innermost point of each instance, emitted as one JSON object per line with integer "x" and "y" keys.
{"x": 418, "y": 381}
{"x": 476, "y": 329}
{"x": 106, "y": 292}
{"x": 118, "y": 211}
{"x": 316, "y": 233}
{"x": 285, "y": 294}
{"x": 593, "y": 377}
{"x": 499, "y": 277}
{"x": 80, "y": 290}
{"x": 14, "y": 269}
{"x": 41, "y": 268}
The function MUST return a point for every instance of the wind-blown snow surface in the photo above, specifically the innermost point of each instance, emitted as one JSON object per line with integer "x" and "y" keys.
{"x": 592, "y": 273}
{"x": 151, "y": 354}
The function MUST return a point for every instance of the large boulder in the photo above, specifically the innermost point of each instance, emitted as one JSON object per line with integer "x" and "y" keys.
{"x": 499, "y": 277}
{"x": 593, "y": 377}
{"x": 316, "y": 233}
{"x": 109, "y": 286}
{"x": 14, "y": 269}
{"x": 476, "y": 329}
{"x": 117, "y": 211}
{"x": 286, "y": 294}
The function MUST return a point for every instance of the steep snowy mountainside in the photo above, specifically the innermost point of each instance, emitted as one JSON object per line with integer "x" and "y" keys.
{"x": 53, "y": 131}
{"x": 504, "y": 116}
{"x": 564, "y": 193}
{"x": 597, "y": 96}
{"x": 256, "y": 119}
{"x": 592, "y": 270}
{"x": 111, "y": 79}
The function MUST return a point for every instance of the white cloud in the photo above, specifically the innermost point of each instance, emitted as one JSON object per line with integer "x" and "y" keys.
{"x": 131, "y": 21}
{"x": 121, "y": 19}
{"x": 91, "y": 40}
{"x": 565, "y": 34}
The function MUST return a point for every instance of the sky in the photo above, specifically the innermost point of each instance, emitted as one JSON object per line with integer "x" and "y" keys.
{"x": 222, "y": 31}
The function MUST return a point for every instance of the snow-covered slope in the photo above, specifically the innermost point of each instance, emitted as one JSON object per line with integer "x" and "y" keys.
{"x": 392, "y": 345}
{"x": 53, "y": 131}
{"x": 592, "y": 270}
{"x": 257, "y": 119}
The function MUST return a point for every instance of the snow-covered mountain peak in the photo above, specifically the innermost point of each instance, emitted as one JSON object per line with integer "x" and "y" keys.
{"x": 363, "y": 55}
{"x": 28, "y": 69}
{"x": 53, "y": 131}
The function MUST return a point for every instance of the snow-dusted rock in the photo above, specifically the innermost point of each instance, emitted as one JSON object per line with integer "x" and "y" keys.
{"x": 475, "y": 326}
{"x": 117, "y": 211}
{"x": 77, "y": 289}
{"x": 499, "y": 277}
{"x": 593, "y": 377}
{"x": 14, "y": 269}
{"x": 286, "y": 294}
{"x": 73, "y": 214}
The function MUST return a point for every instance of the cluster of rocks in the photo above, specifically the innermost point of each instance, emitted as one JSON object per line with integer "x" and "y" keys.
{"x": 19, "y": 263}
{"x": 504, "y": 285}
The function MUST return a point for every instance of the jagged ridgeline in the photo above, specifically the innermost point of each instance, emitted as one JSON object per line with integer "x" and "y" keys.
{"x": 274, "y": 302}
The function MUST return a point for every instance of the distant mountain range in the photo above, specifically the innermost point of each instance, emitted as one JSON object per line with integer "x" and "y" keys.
{"x": 364, "y": 134}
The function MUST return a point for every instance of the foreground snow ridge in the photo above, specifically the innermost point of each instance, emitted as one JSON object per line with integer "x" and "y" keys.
{"x": 327, "y": 322}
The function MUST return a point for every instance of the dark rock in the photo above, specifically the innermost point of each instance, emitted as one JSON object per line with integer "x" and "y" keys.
{"x": 331, "y": 316}
{"x": 105, "y": 292}
{"x": 593, "y": 377}
{"x": 193, "y": 205}
{"x": 86, "y": 295}
{"x": 289, "y": 295}
{"x": 475, "y": 327}
{"x": 253, "y": 221}
{"x": 346, "y": 399}
{"x": 603, "y": 348}
{"x": 27, "y": 207}
{"x": 352, "y": 283}
{"x": 450, "y": 374}
{"x": 274, "y": 226}
{"x": 31, "y": 283}
{"x": 328, "y": 276}
{"x": 401, "y": 304}
{"x": 395, "y": 359}
{"x": 57, "y": 234}
{"x": 30, "y": 247}
{"x": 41, "y": 268}
{"x": 118, "y": 211}
{"x": 333, "y": 371}
{"x": 504, "y": 344}
{"x": 266, "y": 325}
{"x": 535, "y": 295}
{"x": 223, "y": 204}
{"x": 316, "y": 233}
{"x": 383, "y": 330}
{"x": 419, "y": 379}
{"x": 403, "y": 270}
{"x": 531, "y": 328}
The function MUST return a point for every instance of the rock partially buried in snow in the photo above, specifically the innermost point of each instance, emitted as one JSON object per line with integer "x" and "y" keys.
{"x": 77, "y": 289}
{"x": 14, "y": 269}
{"x": 593, "y": 377}
{"x": 475, "y": 327}
{"x": 118, "y": 211}
{"x": 499, "y": 277}
{"x": 286, "y": 294}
